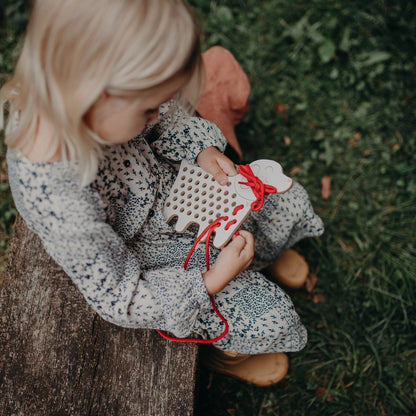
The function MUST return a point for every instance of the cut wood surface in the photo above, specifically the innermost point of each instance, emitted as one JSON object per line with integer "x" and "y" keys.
{"x": 58, "y": 357}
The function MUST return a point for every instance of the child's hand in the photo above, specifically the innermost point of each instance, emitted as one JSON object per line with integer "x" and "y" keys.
{"x": 232, "y": 260}
{"x": 217, "y": 164}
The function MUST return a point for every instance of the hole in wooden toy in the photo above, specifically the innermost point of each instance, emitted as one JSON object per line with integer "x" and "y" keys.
{"x": 175, "y": 191}
{"x": 218, "y": 207}
{"x": 210, "y": 213}
{"x": 226, "y": 201}
{"x": 203, "y": 209}
{"x": 204, "y": 193}
{"x": 203, "y": 218}
{"x": 199, "y": 173}
{"x": 182, "y": 209}
{"x": 182, "y": 193}
{"x": 189, "y": 203}
{"x": 196, "y": 206}
{"x": 233, "y": 196}
{"x": 206, "y": 176}
{"x": 189, "y": 213}
{"x": 211, "y": 196}
{"x": 204, "y": 201}
{"x": 211, "y": 204}
{"x": 189, "y": 180}
{"x": 175, "y": 198}
{"x": 196, "y": 215}
{"x": 183, "y": 177}
{"x": 168, "y": 204}
{"x": 233, "y": 204}
{"x": 192, "y": 171}
{"x": 204, "y": 185}
{"x": 226, "y": 209}
{"x": 182, "y": 185}
{"x": 181, "y": 201}
{"x": 226, "y": 192}
{"x": 185, "y": 169}
{"x": 218, "y": 198}
{"x": 175, "y": 207}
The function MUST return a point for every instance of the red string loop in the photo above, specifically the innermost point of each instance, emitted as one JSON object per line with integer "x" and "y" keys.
{"x": 209, "y": 230}
{"x": 259, "y": 188}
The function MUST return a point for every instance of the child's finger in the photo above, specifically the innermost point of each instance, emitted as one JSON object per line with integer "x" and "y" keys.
{"x": 243, "y": 244}
{"x": 246, "y": 235}
{"x": 220, "y": 176}
{"x": 238, "y": 242}
{"x": 218, "y": 173}
{"x": 248, "y": 248}
{"x": 227, "y": 165}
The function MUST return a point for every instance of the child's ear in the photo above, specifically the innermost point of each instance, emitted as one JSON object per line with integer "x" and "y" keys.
{"x": 100, "y": 101}
{"x": 102, "y": 97}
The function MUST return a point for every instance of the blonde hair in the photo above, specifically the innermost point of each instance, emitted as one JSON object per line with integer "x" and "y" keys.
{"x": 76, "y": 49}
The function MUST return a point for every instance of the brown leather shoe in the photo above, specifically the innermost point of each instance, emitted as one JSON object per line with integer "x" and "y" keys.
{"x": 291, "y": 270}
{"x": 260, "y": 369}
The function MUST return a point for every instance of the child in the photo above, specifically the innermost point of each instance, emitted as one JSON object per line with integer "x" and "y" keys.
{"x": 90, "y": 166}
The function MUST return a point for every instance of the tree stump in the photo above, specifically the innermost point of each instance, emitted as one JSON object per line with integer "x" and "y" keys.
{"x": 58, "y": 357}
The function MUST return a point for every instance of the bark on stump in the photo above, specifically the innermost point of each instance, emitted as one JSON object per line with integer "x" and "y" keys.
{"x": 58, "y": 357}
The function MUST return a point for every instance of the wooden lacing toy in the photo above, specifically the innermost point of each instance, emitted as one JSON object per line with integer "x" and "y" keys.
{"x": 196, "y": 198}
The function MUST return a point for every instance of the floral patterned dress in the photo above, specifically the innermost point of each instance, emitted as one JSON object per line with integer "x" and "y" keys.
{"x": 112, "y": 240}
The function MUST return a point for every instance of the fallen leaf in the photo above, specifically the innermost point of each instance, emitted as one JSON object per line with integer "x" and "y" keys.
{"x": 395, "y": 147}
{"x": 295, "y": 170}
{"x": 353, "y": 141}
{"x": 311, "y": 282}
{"x": 318, "y": 298}
{"x": 326, "y": 187}
{"x": 345, "y": 246}
{"x": 321, "y": 393}
{"x": 287, "y": 140}
{"x": 280, "y": 108}
{"x": 367, "y": 152}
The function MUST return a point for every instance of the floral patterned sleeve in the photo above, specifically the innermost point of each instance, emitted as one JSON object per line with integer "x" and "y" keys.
{"x": 177, "y": 136}
{"x": 71, "y": 223}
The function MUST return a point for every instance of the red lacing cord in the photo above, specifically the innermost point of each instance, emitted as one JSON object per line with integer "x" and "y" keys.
{"x": 208, "y": 230}
{"x": 260, "y": 190}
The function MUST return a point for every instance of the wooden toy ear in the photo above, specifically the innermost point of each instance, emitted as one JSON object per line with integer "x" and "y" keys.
{"x": 271, "y": 173}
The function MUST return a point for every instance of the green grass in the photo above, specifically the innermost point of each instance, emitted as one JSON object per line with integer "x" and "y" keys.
{"x": 13, "y": 17}
{"x": 337, "y": 78}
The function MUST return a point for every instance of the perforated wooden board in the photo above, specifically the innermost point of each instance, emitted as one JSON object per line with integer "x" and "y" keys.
{"x": 196, "y": 197}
